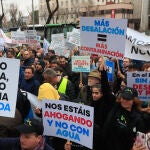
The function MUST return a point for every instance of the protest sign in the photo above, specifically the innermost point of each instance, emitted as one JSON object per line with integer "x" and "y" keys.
{"x": 141, "y": 82}
{"x": 110, "y": 70}
{"x": 137, "y": 45}
{"x": 103, "y": 36}
{"x": 81, "y": 63}
{"x": 46, "y": 45}
{"x": 9, "y": 74}
{"x": 67, "y": 120}
{"x": 74, "y": 37}
{"x": 18, "y": 37}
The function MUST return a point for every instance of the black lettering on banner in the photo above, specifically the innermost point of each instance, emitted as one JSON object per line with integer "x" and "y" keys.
{"x": 101, "y": 37}
{"x": 3, "y": 66}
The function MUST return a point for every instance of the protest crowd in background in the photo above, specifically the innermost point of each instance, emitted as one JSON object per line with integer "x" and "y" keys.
{"x": 119, "y": 113}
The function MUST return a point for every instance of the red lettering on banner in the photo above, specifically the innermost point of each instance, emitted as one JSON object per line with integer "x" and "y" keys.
{"x": 74, "y": 119}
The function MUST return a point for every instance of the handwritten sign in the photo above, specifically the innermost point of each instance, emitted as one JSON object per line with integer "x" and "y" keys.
{"x": 81, "y": 63}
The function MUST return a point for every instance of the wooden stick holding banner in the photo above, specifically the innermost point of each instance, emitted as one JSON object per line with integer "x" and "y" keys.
{"x": 81, "y": 77}
{"x": 118, "y": 66}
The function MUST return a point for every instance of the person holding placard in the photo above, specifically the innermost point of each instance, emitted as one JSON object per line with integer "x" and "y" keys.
{"x": 123, "y": 122}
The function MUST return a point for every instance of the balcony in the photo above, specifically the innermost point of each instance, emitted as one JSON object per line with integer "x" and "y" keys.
{"x": 125, "y": 6}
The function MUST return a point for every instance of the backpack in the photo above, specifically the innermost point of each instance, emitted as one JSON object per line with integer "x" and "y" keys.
{"x": 23, "y": 104}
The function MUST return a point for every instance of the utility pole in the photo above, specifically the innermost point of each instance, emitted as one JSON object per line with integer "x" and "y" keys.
{"x": 33, "y": 15}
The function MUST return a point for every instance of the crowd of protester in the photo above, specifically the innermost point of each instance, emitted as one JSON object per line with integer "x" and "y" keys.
{"x": 118, "y": 113}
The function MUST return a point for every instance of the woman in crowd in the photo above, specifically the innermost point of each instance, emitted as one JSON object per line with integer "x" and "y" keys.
{"x": 123, "y": 122}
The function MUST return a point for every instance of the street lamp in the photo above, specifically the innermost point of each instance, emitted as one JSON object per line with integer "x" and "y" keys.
{"x": 33, "y": 15}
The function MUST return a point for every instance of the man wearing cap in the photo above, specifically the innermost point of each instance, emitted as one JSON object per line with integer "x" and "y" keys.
{"x": 31, "y": 138}
{"x": 85, "y": 92}
{"x": 123, "y": 122}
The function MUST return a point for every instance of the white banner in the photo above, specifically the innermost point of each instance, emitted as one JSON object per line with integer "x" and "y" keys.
{"x": 74, "y": 37}
{"x": 9, "y": 74}
{"x": 67, "y": 120}
{"x": 104, "y": 36}
{"x": 137, "y": 45}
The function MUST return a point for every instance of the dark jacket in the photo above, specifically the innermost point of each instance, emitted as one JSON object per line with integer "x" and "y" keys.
{"x": 102, "y": 107}
{"x": 28, "y": 62}
{"x": 120, "y": 128}
{"x": 38, "y": 75}
{"x": 14, "y": 144}
{"x": 31, "y": 86}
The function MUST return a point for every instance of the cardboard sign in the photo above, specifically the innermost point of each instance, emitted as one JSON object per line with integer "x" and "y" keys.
{"x": 81, "y": 63}
{"x": 141, "y": 82}
{"x": 9, "y": 74}
{"x": 104, "y": 36}
{"x": 67, "y": 120}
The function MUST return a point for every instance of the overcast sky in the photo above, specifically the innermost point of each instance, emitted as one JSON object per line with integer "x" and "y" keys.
{"x": 23, "y": 5}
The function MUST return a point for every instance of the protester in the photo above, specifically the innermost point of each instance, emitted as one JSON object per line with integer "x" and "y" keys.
{"x": 64, "y": 85}
{"x": 123, "y": 72}
{"x": 85, "y": 92}
{"x": 123, "y": 121}
{"x": 47, "y": 90}
{"x": 27, "y": 59}
{"x": 63, "y": 63}
{"x": 29, "y": 83}
{"x": 39, "y": 69}
{"x": 1, "y": 52}
{"x": 11, "y": 53}
{"x": 31, "y": 138}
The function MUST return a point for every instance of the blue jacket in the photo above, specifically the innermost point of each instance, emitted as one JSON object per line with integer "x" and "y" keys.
{"x": 31, "y": 85}
{"x": 14, "y": 144}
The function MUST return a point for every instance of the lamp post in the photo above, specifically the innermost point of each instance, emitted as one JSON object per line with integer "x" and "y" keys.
{"x": 33, "y": 15}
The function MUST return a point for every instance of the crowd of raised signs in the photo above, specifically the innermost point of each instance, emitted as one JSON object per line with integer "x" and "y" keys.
{"x": 119, "y": 114}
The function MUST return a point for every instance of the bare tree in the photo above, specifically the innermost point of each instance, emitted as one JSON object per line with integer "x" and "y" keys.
{"x": 50, "y": 11}
{"x": 20, "y": 18}
{"x": 13, "y": 15}
{"x": 1, "y": 16}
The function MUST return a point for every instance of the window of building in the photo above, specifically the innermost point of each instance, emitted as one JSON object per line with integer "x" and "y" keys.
{"x": 66, "y": 10}
{"x": 66, "y": 3}
{"x": 61, "y": 3}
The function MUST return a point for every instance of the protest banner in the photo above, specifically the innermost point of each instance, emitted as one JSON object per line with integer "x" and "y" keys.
{"x": 103, "y": 36}
{"x": 9, "y": 74}
{"x": 18, "y": 37}
{"x": 110, "y": 70}
{"x": 141, "y": 82}
{"x": 74, "y": 37}
{"x": 137, "y": 45}
{"x": 67, "y": 120}
{"x": 46, "y": 45}
{"x": 80, "y": 63}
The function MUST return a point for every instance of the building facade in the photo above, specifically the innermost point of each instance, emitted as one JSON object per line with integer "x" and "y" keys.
{"x": 136, "y": 11}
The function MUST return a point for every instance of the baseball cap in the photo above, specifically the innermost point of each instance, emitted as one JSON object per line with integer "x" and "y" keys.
{"x": 31, "y": 126}
{"x": 129, "y": 93}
